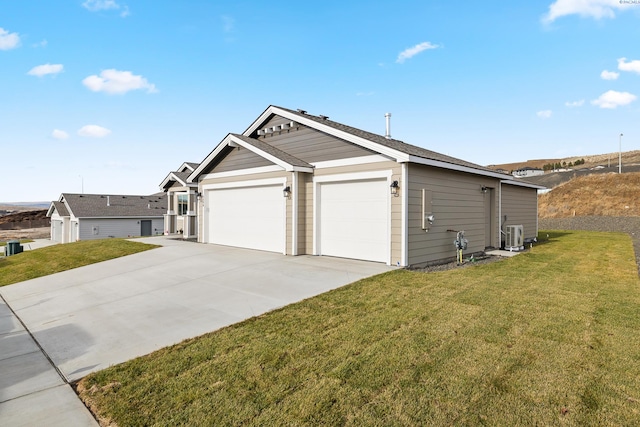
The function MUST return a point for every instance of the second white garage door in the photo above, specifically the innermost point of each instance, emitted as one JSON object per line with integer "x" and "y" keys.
{"x": 354, "y": 219}
{"x": 247, "y": 217}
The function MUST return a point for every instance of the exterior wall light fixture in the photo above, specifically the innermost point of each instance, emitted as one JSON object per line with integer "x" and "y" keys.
{"x": 394, "y": 188}
{"x": 286, "y": 192}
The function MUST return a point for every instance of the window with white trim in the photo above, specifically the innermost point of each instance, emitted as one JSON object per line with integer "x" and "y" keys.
{"x": 182, "y": 204}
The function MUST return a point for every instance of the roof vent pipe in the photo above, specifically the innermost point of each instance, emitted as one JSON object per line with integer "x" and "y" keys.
{"x": 388, "y": 132}
{"x": 108, "y": 202}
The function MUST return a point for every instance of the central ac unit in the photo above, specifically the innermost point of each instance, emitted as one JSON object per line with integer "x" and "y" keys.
{"x": 514, "y": 238}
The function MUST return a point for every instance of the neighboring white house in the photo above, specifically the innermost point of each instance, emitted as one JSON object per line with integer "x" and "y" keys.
{"x": 181, "y": 216}
{"x": 99, "y": 216}
{"x": 297, "y": 183}
{"x": 527, "y": 172}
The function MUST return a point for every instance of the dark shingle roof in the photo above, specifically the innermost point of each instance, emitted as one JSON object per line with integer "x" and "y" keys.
{"x": 182, "y": 175}
{"x": 276, "y": 152}
{"x": 193, "y": 165}
{"x": 61, "y": 208}
{"x": 95, "y": 205}
{"x": 391, "y": 143}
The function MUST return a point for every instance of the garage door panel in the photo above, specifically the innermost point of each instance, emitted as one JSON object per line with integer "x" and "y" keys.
{"x": 248, "y": 217}
{"x": 354, "y": 220}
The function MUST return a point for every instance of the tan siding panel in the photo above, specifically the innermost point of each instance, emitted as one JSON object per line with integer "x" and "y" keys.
{"x": 520, "y": 205}
{"x": 240, "y": 158}
{"x": 249, "y": 177}
{"x": 457, "y": 204}
{"x": 312, "y": 146}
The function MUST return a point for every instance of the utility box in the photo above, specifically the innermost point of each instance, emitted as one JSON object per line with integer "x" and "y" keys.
{"x": 514, "y": 238}
{"x": 13, "y": 247}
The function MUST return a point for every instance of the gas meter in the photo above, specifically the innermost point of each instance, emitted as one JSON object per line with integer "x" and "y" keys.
{"x": 460, "y": 242}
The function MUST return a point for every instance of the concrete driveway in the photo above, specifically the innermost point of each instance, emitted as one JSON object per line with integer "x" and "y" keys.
{"x": 92, "y": 317}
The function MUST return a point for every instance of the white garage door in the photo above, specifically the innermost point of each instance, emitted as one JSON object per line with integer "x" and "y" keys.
{"x": 57, "y": 231}
{"x": 247, "y": 217}
{"x": 354, "y": 220}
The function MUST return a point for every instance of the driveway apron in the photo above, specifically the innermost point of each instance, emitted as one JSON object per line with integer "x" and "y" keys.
{"x": 96, "y": 316}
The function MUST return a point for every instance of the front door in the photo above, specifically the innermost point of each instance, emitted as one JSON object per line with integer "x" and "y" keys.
{"x": 145, "y": 227}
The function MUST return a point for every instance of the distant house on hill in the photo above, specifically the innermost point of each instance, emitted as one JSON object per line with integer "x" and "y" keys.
{"x": 99, "y": 216}
{"x": 527, "y": 172}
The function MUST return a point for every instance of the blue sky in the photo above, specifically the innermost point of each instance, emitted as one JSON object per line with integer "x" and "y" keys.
{"x": 113, "y": 94}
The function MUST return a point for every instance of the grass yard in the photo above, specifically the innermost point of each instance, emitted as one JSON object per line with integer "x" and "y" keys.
{"x": 550, "y": 337}
{"x": 54, "y": 259}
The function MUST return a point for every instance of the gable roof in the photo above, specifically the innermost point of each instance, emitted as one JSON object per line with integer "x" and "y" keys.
{"x": 285, "y": 160}
{"x": 270, "y": 150}
{"x": 180, "y": 175}
{"x": 112, "y": 206}
{"x": 394, "y": 149}
{"x": 397, "y": 150}
{"x": 58, "y": 207}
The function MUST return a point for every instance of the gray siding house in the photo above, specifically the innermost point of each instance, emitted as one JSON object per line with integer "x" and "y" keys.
{"x": 181, "y": 216}
{"x": 77, "y": 217}
{"x": 297, "y": 183}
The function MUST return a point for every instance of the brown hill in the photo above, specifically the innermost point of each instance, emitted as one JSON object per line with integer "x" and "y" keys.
{"x": 28, "y": 219}
{"x": 609, "y": 194}
{"x": 628, "y": 158}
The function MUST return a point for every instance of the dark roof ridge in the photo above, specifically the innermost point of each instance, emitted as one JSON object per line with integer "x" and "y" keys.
{"x": 390, "y": 142}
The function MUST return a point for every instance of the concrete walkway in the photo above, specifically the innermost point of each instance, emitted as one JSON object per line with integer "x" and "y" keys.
{"x": 92, "y": 317}
{"x": 32, "y": 392}
{"x": 37, "y": 244}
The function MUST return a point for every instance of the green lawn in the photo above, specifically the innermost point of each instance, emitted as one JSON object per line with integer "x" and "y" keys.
{"x": 54, "y": 259}
{"x": 550, "y": 337}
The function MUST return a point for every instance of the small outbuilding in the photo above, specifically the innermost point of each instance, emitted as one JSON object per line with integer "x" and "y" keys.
{"x": 297, "y": 183}
{"x": 99, "y": 216}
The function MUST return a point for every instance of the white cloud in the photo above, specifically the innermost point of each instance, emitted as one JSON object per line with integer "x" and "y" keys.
{"x": 633, "y": 66}
{"x": 8, "y": 40}
{"x": 585, "y": 8}
{"x": 98, "y": 5}
{"x": 544, "y": 114}
{"x": 59, "y": 134}
{"x": 93, "y": 131}
{"x": 43, "y": 70}
{"x": 43, "y": 43}
{"x": 613, "y": 99}
{"x": 117, "y": 82}
{"x": 572, "y": 104}
{"x": 609, "y": 75}
{"x": 413, "y": 51}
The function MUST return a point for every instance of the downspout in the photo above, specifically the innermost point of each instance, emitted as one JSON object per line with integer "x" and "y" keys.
{"x": 294, "y": 214}
{"x": 500, "y": 232}
{"x": 404, "y": 262}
